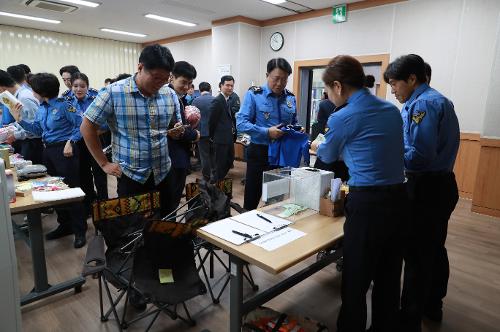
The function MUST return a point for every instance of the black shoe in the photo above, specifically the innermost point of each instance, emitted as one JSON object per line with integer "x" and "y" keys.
{"x": 80, "y": 241}
{"x": 57, "y": 233}
{"x": 137, "y": 301}
{"x": 435, "y": 315}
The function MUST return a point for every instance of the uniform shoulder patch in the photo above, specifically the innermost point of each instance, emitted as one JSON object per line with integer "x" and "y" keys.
{"x": 255, "y": 89}
{"x": 289, "y": 93}
{"x": 418, "y": 116}
{"x": 70, "y": 107}
{"x": 66, "y": 93}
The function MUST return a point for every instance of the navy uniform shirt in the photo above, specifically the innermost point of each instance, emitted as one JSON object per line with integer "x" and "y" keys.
{"x": 367, "y": 133}
{"x": 262, "y": 109}
{"x": 431, "y": 131}
{"x": 82, "y": 105}
{"x": 69, "y": 95}
{"x": 56, "y": 121}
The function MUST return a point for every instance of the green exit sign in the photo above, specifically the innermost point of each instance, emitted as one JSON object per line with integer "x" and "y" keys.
{"x": 339, "y": 13}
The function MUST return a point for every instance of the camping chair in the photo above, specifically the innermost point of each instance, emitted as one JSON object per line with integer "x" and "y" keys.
{"x": 118, "y": 224}
{"x": 167, "y": 249}
{"x": 217, "y": 199}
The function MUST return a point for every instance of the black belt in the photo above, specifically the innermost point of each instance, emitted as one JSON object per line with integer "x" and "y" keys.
{"x": 416, "y": 175}
{"x": 54, "y": 144}
{"x": 391, "y": 187}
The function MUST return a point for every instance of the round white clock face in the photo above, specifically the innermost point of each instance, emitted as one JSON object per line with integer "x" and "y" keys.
{"x": 276, "y": 42}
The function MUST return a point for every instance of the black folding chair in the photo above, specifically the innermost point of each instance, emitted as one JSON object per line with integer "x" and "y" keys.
{"x": 118, "y": 226}
{"x": 216, "y": 199}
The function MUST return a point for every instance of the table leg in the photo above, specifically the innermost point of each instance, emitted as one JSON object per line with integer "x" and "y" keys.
{"x": 42, "y": 288}
{"x": 37, "y": 251}
{"x": 235, "y": 294}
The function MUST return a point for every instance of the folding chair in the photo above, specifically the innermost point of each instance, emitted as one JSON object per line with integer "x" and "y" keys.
{"x": 167, "y": 247}
{"x": 217, "y": 199}
{"x": 118, "y": 224}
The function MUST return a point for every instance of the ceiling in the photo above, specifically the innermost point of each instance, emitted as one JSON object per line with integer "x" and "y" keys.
{"x": 128, "y": 15}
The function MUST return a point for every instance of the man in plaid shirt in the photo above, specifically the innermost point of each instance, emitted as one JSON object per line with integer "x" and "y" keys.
{"x": 138, "y": 111}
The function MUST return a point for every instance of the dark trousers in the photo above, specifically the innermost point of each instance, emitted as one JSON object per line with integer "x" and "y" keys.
{"x": 128, "y": 187}
{"x": 257, "y": 162}
{"x": 86, "y": 177}
{"x": 224, "y": 158}
{"x": 206, "y": 158}
{"x": 100, "y": 177}
{"x": 433, "y": 198}
{"x": 373, "y": 251}
{"x": 175, "y": 182}
{"x": 32, "y": 149}
{"x": 338, "y": 167}
{"x": 57, "y": 164}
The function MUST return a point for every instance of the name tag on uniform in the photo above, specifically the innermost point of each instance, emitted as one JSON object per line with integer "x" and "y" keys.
{"x": 54, "y": 111}
{"x": 289, "y": 103}
{"x": 267, "y": 115}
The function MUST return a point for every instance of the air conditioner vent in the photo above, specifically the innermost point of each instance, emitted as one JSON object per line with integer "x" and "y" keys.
{"x": 50, "y": 5}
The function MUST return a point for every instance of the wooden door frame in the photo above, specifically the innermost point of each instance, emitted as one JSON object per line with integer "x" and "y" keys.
{"x": 383, "y": 59}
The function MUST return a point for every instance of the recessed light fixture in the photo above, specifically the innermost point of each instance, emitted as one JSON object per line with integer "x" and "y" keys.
{"x": 82, "y": 3}
{"x": 124, "y": 32}
{"x": 170, "y": 20}
{"x": 275, "y": 2}
{"x": 33, "y": 18}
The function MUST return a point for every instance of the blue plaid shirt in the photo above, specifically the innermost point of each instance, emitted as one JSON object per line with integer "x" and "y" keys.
{"x": 138, "y": 125}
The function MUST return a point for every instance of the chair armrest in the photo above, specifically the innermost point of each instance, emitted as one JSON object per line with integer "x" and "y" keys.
{"x": 95, "y": 259}
{"x": 237, "y": 207}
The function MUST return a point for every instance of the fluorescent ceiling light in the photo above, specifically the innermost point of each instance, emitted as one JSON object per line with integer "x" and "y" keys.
{"x": 171, "y": 20}
{"x": 82, "y": 3}
{"x": 275, "y": 2}
{"x": 33, "y": 18}
{"x": 124, "y": 32}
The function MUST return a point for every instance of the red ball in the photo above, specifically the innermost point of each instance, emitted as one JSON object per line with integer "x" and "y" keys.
{"x": 193, "y": 115}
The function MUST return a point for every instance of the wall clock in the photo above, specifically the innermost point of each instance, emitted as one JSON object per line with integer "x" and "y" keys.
{"x": 276, "y": 41}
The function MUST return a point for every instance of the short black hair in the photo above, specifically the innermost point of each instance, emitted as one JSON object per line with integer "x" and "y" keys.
{"x": 6, "y": 80}
{"x": 121, "y": 77}
{"x": 80, "y": 76}
{"x": 404, "y": 66}
{"x": 279, "y": 63}
{"x": 369, "y": 81}
{"x": 157, "y": 57}
{"x": 108, "y": 80}
{"x": 224, "y": 79}
{"x": 69, "y": 69}
{"x": 184, "y": 69}
{"x": 428, "y": 72}
{"x": 45, "y": 84}
{"x": 204, "y": 86}
{"x": 17, "y": 73}
{"x": 27, "y": 69}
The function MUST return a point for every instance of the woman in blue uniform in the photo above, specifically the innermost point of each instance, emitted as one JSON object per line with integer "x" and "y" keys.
{"x": 59, "y": 125}
{"x": 367, "y": 133}
{"x": 263, "y": 111}
{"x": 89, "y": 169}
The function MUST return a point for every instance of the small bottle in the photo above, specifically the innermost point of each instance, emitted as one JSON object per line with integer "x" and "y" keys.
{"x": 11, "y": 189}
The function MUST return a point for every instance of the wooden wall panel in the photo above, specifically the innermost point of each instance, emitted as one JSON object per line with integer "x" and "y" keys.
{"x": 486, "y": 197}
{"x": 466, "y": 164}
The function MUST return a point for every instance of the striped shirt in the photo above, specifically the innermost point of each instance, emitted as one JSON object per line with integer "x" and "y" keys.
{"x": 138, "y": 125}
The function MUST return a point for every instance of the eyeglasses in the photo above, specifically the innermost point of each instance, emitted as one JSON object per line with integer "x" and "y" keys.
{"x": 276, "y": 79}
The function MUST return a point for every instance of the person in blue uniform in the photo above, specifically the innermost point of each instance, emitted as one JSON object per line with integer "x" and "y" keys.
{"x": 264, "y": 110}
{"x": 431, "y": 136}
{"x": 90, "y": 171}
{"x": 58, "y": 123}
{"x": 367, "y": 133}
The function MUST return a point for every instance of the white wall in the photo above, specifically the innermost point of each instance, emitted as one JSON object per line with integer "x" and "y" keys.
{"x": 249, "y": 45}
{"x": 48, "y": 51}
{"x": 198, "y": 52}
{"x": 456, "y": 37}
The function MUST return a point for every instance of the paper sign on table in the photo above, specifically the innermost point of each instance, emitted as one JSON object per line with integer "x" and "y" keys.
{"x": 274, "y": 240}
